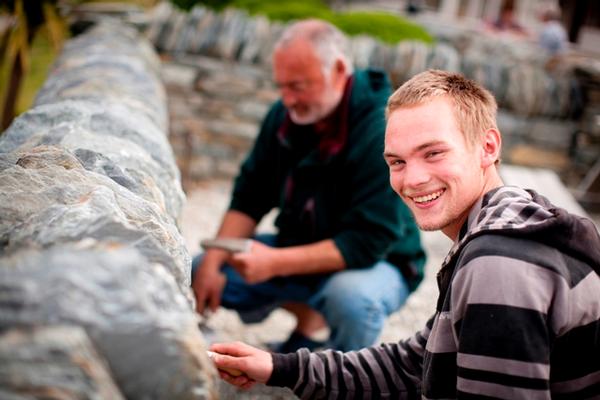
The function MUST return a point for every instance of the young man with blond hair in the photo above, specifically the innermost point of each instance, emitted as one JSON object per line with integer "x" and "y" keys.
{"x": 518, "y": 315}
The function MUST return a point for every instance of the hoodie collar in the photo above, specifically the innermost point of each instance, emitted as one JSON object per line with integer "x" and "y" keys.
{"x": 513, "y": 211}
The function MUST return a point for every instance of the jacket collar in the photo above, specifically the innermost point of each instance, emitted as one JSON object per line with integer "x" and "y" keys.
{"x": 332, "y": 130}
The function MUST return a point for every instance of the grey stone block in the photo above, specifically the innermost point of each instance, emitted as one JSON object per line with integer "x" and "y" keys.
{"x": 89, "y": 198}
{"x": 127, "y": 139}
{"x": 132, "y": 310}
{"x": 53, "y": 362}
{"x": 48, "y": 198}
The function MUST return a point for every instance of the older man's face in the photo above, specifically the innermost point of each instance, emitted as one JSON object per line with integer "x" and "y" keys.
{"x": 307, "y": 92}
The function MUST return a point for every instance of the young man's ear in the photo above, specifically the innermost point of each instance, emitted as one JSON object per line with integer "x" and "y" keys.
{"x": 491, "y": 145}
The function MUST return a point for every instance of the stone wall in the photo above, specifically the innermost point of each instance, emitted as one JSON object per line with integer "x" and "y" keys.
{"x": 215, "y": 107}
{"x": 218, "y": 77}
{"x": 94, "y": 275}
{"x": 514, "y": 72}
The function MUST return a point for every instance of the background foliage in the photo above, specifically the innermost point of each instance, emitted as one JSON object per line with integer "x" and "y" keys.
{"x": 30, "y": 44}
{"x": 32, "y": 33}
{"x": 387, "y": 27}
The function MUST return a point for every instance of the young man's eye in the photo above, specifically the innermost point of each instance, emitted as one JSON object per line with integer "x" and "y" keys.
{"x": 433, "y": 153}
{"x": 396, "y": 164}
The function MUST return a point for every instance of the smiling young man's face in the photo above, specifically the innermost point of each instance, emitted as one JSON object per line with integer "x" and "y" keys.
{"x": 432, "y": 167}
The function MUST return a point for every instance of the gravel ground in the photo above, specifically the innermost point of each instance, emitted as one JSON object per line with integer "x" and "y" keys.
{"x": 201, "y": 216}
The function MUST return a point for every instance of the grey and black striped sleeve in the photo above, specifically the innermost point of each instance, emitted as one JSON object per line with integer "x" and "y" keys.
{"x": 501, "y": 296}
{"x": 389, "y": 371}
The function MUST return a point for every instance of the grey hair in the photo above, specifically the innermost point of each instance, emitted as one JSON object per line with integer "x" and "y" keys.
{"x": 329, "y": 42}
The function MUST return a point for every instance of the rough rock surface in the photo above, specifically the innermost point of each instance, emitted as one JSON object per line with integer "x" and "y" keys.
{"x": 90, "y": 198}
{"x": 47, "y": 198}
{"x": 131, "y": 309}
{"x": 133, "y": 142}
{"x": 104, "y": 94}
{"x": 57, "y": 362}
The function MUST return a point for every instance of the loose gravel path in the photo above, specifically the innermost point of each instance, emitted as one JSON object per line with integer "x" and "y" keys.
{"x": 201, "y": 216}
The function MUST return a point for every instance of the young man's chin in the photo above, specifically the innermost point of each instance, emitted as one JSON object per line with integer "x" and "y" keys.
{"x": 428, "y": 225}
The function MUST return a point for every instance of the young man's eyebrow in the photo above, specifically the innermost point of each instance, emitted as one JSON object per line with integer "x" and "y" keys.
{"x": 429, "y": 144}
{"x": 420, "y": 147}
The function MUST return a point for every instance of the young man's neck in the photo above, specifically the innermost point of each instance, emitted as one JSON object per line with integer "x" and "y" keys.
{"x": 493, "y": 181}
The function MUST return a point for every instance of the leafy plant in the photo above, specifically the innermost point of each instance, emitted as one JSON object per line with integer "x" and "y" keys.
{"x": 27, "y": 18}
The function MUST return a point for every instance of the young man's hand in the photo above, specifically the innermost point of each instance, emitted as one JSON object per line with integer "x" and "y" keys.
{"x": 255, "y": 365}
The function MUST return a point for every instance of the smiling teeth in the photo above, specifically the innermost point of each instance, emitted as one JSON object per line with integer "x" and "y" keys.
{"x": 429, "y": 197}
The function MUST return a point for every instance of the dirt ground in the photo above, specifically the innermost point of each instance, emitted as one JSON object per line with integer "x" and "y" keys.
{"x": 200, "y": 219}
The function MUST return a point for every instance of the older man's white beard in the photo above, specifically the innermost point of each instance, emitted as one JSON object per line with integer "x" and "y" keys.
{"x": 317, "y": 112}
{"x": 304, "y": 119}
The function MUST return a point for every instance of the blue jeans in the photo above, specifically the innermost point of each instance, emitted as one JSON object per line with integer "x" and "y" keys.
{"x": 354, "y": 302}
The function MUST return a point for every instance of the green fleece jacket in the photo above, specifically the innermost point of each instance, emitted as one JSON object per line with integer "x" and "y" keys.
{"x": 333, "y": 184}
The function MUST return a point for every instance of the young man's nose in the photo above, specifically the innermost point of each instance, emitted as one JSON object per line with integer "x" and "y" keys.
{"x": 415, "y": 175}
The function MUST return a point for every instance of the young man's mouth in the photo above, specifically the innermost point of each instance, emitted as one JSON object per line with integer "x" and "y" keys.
{"x": 427, "y": 198}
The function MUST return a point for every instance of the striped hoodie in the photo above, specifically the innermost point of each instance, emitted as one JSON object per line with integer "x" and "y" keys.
{"x": 518, "y": 317}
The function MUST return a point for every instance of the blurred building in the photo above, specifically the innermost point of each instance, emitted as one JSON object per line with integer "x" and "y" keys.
{"x": 581, "y": 18}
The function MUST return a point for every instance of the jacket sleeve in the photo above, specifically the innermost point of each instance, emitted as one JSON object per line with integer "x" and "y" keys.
{"x": 500, "y": 301}
{"x": 257, "y": 171}
{"x": 376, "y": 219}
{"x": 391, "y": 371}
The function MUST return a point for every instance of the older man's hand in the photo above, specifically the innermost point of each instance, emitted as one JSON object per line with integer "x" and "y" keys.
{"x": 256, "y": 265}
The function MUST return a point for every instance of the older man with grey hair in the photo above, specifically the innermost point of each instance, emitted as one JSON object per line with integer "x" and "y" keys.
{"x": 347, "y": 252}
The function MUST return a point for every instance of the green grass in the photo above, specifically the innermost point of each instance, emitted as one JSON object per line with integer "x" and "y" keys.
{"x": 141, "y": 3}
{"x": 387, "y": 27}
{"x": 41, "y": 56}
{"x": 286, "y": 10}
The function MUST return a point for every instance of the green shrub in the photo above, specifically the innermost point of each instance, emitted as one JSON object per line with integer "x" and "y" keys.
{"x": 42, "y": 57}
{"x": 383, "y": 26}
{"x": 292, "y": 11}
{"x": 386, "y": 27}
{"x": 262, "y": 6}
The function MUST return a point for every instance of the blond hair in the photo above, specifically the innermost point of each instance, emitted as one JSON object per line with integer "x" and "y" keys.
{"x": 474, "y": 107}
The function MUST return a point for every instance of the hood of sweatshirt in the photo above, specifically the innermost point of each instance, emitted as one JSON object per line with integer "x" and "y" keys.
{"x": 517, "y": 212}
